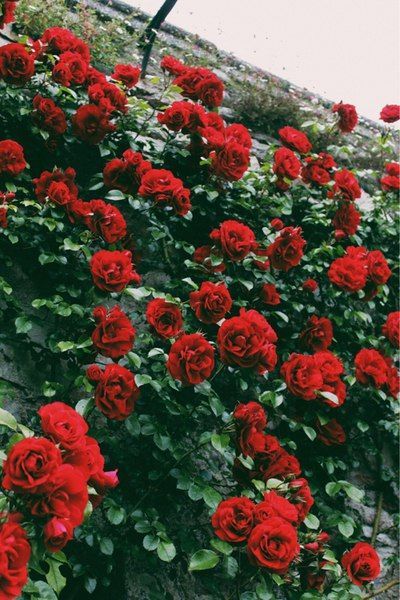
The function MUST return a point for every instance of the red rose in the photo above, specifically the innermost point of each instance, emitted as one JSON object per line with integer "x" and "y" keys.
{"x": 235, "y": 239}
{"x": 235, "y": 131}
{"x": 15, "y": 553}
{"x": 202, "y": 256}
{"x": 231, "y": 161}
{"x": 273, "y": 544}
{"x": 63, "y": 424}
{"x": 211, "y": 302}
{"x": 391, "y": 328}
{"x": 87, "y": 458}
{"x": 105, "y": 220}
{"x": 126, "y": 74}
{"x": 108, "y": 97}
{"x": 57, "y": 40}
{"x": 248, "y": 341}
{"x": 348, "y": 117}
{"x": 287, "y": 249}
{"x": 393, "y": 381}
{"x": 112, "y": 271}
{"x": 346, "y": 219}
{"x": 390, "y": 182}
{"x": 318, "y": 333}
{"x": 90, "y": 124}
{"x": 270, "y": 295}
{"x": 71, "y": 69}
{"x": 301, "y": 498}
{"x": 163, "y": 187}
{"x": 116, "y": 392}
{"x": 58, "y": 186}
{"x": 210, "y": 90}
{"x": 349, "y": 273}
{"x": 12, "y": 160}
{"x": 362, "y": 563}
{"x": 274, "y": 505}
{"x": 126, "y": 173}
{"x": 331, "y": 433}
{"x": 390, "y": 113}
{"x": 191, "y": 359}
{"x": 197, "y": 119}
{"x": 310, "y": 285}
{"x": 165, "y": 317}
{"x": 302, "y": 375}
{"x": 16, "y": 64}
{"x": 346, "y": 185}
{"x": 48, "y": 116}
{"x": 277, "y": 224}
{"x": 286, "y": 164}
{"x": 371, "y": 368}
{"x": 176, "y": 117}
{"x": 114, "y": 333}
{"x": 30, "y": 464}
{"x": 7, "y": 16}
{"x": 172, "y": 65}
{"x": 233, "y": 519}
{"x": 65, "y": 497}
{"x": 294, "y": 139}
{"x": 250, "y": 421}
{"x": 314, "y": 173}
{"x": 378, "y": 269}
{"x": 57, "y": 533}
{"x": 331, "y": 366}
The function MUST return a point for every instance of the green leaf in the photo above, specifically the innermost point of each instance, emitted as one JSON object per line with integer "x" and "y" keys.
{"x": 142, "y": 379}
{"x": 332, "y": 488}
{"x": 222, "y": 546}
{"x": 166, "y": 551}
{"x": 220, "y": 441}
{"x": 54, "y": 577}
{"x": 64, "y": 346}
{"x": 116, "y": 515}
{"x": 311, "y": 521}
{"x": 23, "y": 325}
{"x": 346, "y": 528}
{"x": 211, "y": 497}
{"x": 106, "y": 546}
{"x": 329, "y": 396}
{"x": 310, "y": 432}
{"x": 8, "y": 420}
{"x": 203, "y": 560}
{"x": 150, "y": 542}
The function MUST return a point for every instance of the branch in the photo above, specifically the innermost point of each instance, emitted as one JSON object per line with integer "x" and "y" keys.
{"x": 382, "y": 589}
{"x": 377, "y": 519}
{"x": 150, "y": 33}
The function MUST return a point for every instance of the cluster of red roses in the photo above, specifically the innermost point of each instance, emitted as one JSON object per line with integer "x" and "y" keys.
{"x": 360, "y": 269}
{"x": 50, "y": 476}
{"x": 15, "y": 552}
{"x": 7, "y": 10}
{"x": 5, "y": 198}
{"x": 228, "y": 147}
{"x": 390, "y": 181}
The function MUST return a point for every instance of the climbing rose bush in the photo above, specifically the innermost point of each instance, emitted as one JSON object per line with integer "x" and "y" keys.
{"x": 220, "y": 330}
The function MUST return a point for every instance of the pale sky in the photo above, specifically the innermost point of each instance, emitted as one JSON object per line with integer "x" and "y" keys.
{"x": 341, "y": 49}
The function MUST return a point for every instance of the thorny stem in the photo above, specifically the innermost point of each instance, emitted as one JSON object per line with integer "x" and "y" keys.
{"x": 382, "y": 589}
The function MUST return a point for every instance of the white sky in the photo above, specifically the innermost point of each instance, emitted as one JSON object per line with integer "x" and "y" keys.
{"x": 341, "y": 49}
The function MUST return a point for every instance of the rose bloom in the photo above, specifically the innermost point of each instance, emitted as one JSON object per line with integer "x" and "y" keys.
{"x": 346, "y": 185}
{"x": 348, "y": 117}
{"x": 108, "y": 97}
{"x": 273, "y": 544}
{"x": 66, "y": 496}
{"x": 106, "y": 220}
{"x": 57, "y": 40}
{"x": 277, "y": 224}
{"x": 231, "y": 161}
{"x": 250, "y": 420}
{"x": 163, "y": 187}
{"x": 302, "y": 376}
{"x": 63, "y": 424}
{"x": 12, "y": 160}
{"x": 15, "y": 552}
{"x": 274, "y": 505}
{"x": 64, "y": 180}
{"x": 87, "y": 458}
{"x": 235, "y": 239}
{"x": 90, "y": 124}
{"x": 116, "y": 392}
{"x": 391, "y": 181}
{"x": 346, "y": 219}
{"x": 349, "y": 273}
{"x": 114, "y": 333}
{"x": 71, "y": 69}
{"x": 295, "y": 139}
{"x": 48, "y": 116}
{"x": 233, "y": 520}
{"x": 391, "y": 328}
{"x": 393, "y": 381}
{"x": 270, "y": 295}
{"x": 318, "y": 333}
{"x": 176, "y": 117}
{"x": 310, "y": 285}
{"x": 126, "y": 74}
{"x": 7, "y": 16}
{"x": 112, "y": 271}
{"x": 210, "y": 91}
{"x": 57, "y": 533}
{"x": 172, "y": 65}
{"x": 331, "y": 433}
{"x": 378, "y": 269}
{"x": 165, "y": 317}
{"x": 301, "y": 498}
{"x": 211, "y": 302}
{"x": 16, "y": 64}
{"x": 202, "y": 255}
{"x": 371, "y": 368}
{"x": 248, "y": 341}
{"x": 361, "y": 563}
{"x": 390, "y": 113}
{"x": 126, "y": 173}
{"x": 191, "y": 359}
{"x": 29, "y": 465}
{"x": 286, "y": 163}
{"x": 235, "y": 131}
{"x": 287, "y": 249}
